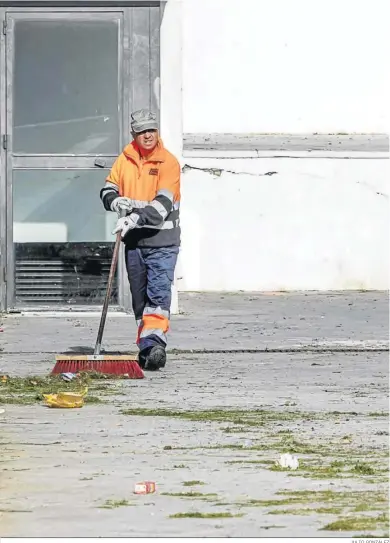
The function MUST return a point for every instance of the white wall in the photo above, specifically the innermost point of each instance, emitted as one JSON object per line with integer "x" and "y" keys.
{"x": 277, "y": 66}
{"x": 292, "y": 66}
{"x": 317, "y": 224}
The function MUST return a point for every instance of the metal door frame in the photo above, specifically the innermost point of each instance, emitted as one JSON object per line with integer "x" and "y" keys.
{"x": 10, "y": 161}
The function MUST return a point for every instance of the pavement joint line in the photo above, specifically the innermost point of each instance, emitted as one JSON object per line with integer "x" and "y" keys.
{"x": 281, "y": 350}
{"x": 62, "y": 314}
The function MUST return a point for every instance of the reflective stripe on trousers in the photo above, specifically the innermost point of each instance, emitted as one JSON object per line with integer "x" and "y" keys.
{"x": 151, "y": 272}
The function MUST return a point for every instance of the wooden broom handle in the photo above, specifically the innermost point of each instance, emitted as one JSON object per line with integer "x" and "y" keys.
{"x": 103, "y": 317}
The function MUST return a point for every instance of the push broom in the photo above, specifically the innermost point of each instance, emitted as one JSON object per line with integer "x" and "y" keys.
{"x": 107, "y": 364}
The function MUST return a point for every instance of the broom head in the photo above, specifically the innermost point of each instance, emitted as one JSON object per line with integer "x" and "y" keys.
{"x": 125, "y": 365}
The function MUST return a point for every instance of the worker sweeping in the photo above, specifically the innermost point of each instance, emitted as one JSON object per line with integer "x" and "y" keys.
{"x": 144, "y": 183}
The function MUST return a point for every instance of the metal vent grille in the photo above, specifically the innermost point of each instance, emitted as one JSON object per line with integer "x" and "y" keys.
{"x": 70, "y": 280}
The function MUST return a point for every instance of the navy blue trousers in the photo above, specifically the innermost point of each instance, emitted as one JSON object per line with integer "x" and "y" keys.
{"x": 151, "y": 273}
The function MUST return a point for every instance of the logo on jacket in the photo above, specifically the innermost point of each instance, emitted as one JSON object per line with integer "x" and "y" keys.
{"x": 153, "y": 171}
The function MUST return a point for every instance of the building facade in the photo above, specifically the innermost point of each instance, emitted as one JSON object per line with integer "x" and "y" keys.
{"x": 275, "y": 109}
{"x": 71, "y": 72}
{"x": 285, "y": 122}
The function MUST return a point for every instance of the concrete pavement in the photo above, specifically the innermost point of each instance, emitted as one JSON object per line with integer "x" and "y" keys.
{"x": 209, "y": 428}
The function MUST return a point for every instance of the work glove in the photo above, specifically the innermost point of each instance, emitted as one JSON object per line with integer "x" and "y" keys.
{"x": 125, "y": 224}
{"x": 121, "y": 204}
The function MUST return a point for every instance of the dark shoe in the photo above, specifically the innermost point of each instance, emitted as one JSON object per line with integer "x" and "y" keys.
{"x": 142, "y": 359}
{"x": 156, "y": 358}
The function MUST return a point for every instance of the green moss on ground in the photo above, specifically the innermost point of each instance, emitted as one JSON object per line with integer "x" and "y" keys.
{"x": 30, "y": 390}
{"x": 340, "y": 469}
{"x": 321, "y": 502}
{"x": 349, "y": 524}
{"x": 256, "y": 417}
{"x": 114, "y": 504}
{"x": 306, "y": 511}
{"x": 193, "y": 483}
{"x": 192, "y": 514}
{"x": 189, "y": 495}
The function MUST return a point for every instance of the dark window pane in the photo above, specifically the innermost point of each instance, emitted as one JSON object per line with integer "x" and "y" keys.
{"x": 62, "y": 236}
{"x": 66, "y": 87}
{"x": 60, "y": 206}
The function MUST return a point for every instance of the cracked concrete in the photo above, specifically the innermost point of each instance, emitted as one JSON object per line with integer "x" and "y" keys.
{"x": 377, "y": 192}
{"x": 60, "y": 466}
{"x": 219, "y": 171}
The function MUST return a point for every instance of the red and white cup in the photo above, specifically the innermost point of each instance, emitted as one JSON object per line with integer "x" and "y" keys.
{"x": 145, "y": 487}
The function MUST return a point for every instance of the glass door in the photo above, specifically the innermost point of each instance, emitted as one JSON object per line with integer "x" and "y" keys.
{"x": 65, "y": 126}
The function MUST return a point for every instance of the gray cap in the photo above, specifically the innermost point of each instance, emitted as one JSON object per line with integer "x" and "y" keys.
{"x": 143, "y": 119}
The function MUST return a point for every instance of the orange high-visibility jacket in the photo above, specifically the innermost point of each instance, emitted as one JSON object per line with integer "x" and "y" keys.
{"x": 153, "y": 185}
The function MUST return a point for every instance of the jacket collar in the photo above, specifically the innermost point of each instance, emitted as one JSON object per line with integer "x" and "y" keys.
{"x": 132, "y": 151}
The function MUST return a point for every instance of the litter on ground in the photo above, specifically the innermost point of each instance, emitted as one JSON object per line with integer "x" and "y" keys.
{"x": 288, "y": 461}
{"x": 65, "y": 399}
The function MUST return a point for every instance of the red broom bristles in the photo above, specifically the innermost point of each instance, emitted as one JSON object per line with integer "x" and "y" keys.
{"x": 113, "y": 366}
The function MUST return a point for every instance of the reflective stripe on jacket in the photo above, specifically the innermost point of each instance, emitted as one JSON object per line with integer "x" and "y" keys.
{"x": 153, "y": 185}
